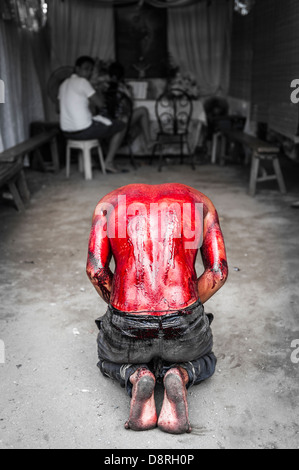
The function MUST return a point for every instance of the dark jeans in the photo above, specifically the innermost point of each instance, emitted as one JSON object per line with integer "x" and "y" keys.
{"x": 184, "y": 338}
{"x": 97, "y": 130}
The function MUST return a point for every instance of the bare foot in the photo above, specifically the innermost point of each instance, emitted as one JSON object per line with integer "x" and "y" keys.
{"x": 143, "y": 415}
{"x": 174, "y": 414}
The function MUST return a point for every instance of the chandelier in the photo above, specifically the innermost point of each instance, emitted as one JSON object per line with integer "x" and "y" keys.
{"x": 244, "y": 6}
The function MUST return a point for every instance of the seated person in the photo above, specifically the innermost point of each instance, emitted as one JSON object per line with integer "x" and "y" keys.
{"x": 140, "y": 116}
{"x": 76, "y": 95}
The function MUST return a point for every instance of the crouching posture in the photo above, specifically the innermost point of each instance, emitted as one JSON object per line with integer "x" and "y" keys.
{"x": 155, "y": 328}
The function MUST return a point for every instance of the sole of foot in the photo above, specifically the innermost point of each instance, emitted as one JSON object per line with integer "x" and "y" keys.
{"x": 174, "y": 414}
{"x": 143, "y": 414}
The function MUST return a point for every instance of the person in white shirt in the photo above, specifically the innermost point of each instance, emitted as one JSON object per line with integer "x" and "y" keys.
{"x": 76, "y": 96}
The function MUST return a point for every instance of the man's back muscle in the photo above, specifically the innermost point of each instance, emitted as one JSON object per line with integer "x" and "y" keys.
{"x": 153, "y": 233}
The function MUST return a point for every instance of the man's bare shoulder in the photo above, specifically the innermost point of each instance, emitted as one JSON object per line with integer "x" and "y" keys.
{"x": 156, "y": 192}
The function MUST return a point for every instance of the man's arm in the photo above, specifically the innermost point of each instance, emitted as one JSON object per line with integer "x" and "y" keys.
{"x": 213, "y": 256}
{"x": 96, "y": 101}
{"x": 99, "y": 255}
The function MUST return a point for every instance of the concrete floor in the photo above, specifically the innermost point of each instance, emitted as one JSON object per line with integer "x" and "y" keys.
{"x": 52, "y": 394}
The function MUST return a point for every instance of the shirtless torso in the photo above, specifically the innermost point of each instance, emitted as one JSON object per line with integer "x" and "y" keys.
{"x": 154, "y": 233}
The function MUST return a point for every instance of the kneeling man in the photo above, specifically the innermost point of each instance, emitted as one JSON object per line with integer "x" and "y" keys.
{"x": 155, "y": 328}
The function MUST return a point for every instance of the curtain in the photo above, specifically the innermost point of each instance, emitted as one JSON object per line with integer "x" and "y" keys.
{"x": 80, "y": 28}
{"x": 199, "y": 42}
{"x": 40, "y": 45}
{"x": 23, "y": 96}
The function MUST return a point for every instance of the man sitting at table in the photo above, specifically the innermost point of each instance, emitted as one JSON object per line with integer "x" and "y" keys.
{"x": 76, "y": 95}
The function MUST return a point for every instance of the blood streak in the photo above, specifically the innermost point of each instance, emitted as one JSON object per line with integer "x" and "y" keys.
{"x": 102, "y": 278}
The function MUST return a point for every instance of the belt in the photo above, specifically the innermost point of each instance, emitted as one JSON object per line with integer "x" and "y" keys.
{"x": 151, "y": 314}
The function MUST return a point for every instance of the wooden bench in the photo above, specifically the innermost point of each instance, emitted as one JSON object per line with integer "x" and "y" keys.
{"x": 12, "y": 175}
{"x": 33, "y": 144}
{"x": 11, "y": 165}
{"x": 261, "y": 151}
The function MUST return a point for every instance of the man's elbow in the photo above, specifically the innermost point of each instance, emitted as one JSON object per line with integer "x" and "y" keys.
{"x": 89, "y": 272}
{"x": 220, "y": 275}
{"x": 219, "y": 280}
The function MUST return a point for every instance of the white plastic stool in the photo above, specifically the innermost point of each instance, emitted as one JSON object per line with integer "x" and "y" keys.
{"x": 85, "y": 146}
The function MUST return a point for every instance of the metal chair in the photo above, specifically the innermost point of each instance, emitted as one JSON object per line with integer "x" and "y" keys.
{"x": 174, "y": 111}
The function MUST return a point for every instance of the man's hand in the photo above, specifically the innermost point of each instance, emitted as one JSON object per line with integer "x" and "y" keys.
{"x": 99, "y": 255}
{"x": 213, "y": 256}
{"x": 97, "y": 100}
